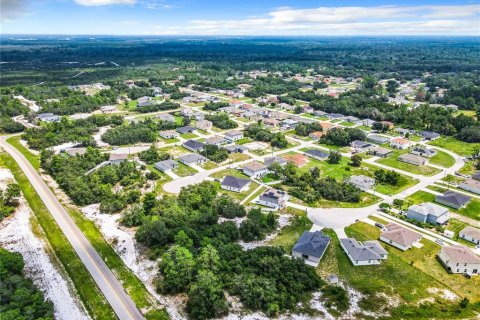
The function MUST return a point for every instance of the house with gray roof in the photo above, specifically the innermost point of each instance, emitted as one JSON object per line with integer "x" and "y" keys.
{"x": 429, "y": 135}
{"x": 271, "y": 160}
{"x": 235, "y": 148}
{"x": 166, "y": 117}
{"x": 73, "y": 152}
{"x": 273, "y": 198}
{"x": 233, "y": 135}
{"x": 470, "y": 185}
{"x": 48, "y": 117}
{"x": 168, "y": 134}
{"x": 192, "y": 158}
{"x": 185, "y": 129}
{"x": 362, "y": 182}
{"x": 423, "y": 151}
{"x": 412, "y": 159}
{"x": 380, "y": 152}
{"x": 117, "y": 158}
{"x": 378, "y": 139}
{"x": 476, "y": 176}
{"x": 234, "y": 184}
{"x": 255, "y": 169}
{"x": 317, "y": 154}
{"x": 361, "y": 146}
{"x": 216, "y": 141}
{"x": 428, "y": 213}
{"x": 311, "y": 247}
{"x": 453, "y": 199}
{"x": 470, "y": 234}
{"x": 363, "y": 254}
{"x": 166, "y": 165}
{"x": 193, "y": 145}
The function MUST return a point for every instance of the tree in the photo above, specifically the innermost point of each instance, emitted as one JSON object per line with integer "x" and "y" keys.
{"x": 298, "y": 110}
{"x": 149, "y": 202}
{"x": 177, "y": 268}
{"x": 356, "y": 160}
{"x": 215, "y": 153}
{"x": 334, "y": 157}
{"x": 206, "y": 299}
{"x": 153, "y": 233}
{"x": 183, "y": 240}
{"x": 279, "y": 141}
{"x": 209, "y": 259}
{"x": 398, "y": 203}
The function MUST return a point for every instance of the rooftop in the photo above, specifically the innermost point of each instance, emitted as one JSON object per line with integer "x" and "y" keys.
{"x": 460, "y": 254}
{"x": 312, "y": 244}
{"x": 400, "y": 235}
{"x": 235, "y": 182}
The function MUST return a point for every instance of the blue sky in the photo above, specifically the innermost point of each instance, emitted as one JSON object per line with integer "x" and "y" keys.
{"x": 242, "y": 17}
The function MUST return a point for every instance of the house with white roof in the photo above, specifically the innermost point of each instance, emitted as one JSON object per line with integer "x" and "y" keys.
{"x": 363, "y": 254}
{"x": 428, "y": 213}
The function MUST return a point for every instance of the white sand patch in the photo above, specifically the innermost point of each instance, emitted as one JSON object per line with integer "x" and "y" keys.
{"x": 62, "y": 147}
{"x": 238, "y": 221}
{"x": 78, "y": 116}
{"x": 443, "y": 293}
{"x": 16, "y": 235}
{"x": 98, "y": 137}
{"x": 123, "y": 242}
{"x": 28, "y": 103}
{"x": 283, "y": 220}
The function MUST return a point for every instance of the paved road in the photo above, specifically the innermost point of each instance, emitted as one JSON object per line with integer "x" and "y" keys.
{"x": 120, "y": 301}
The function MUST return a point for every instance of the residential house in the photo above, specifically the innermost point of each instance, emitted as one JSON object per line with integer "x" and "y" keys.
{"x": 402, "y": 132}
{"x": 108, "y": 109}
{"x": 399, "y": 236}
{"x": 48, "y": 117}
{"x": 388, "y": 124}
{"x": 166, "y": 117}
{"x": 429, "y": 135}
{"x": 289, "y": 124}
{"x": 400, "y": 143}
{"x": 470, "y": 185}
{"x": 235, "y": 184}
{"x": 216, "y": 141}
{"x": 453, "y": 199}
{"x": 271, "y": 160}
{"x": 168, "y": 134}
{"x": 166, "y": 165}
{"x": 459, "y": 259}
{"x": 273, "y": 198}
{"x": 235, "y": 148}
{"x": 351, "y": 119}
{"x": 363, "y": 254}
{"x": 234, "y": 135}
{"x": 316, "y": 135}
{"x": 186, "y": 112}
{"x": 271, "y": 122}
{"x": 311, "y": 247}
{"x": 470, "y": 234}
{"x": 476, "y": 176}
{"x": 320, "y": 113}
{"x": 193, "y": 145}
{"x": 144, "y": 102}
{"x": 185, "y": 129}
{"x": 367, "y": 122}
{"x": 308, "y": 109}
{"x": 204, "y": 125}
{"x": 362, "y": 182}
{"x": 423, "y": 151}
{"x": 317, "y": 154}
{"x": 361, "y": 146}
{"x": 335, "y": 116}
{"x": 326, "y": 126}
{"x": 299, "y": 160}
{"x": 380, "y": 152}
{"x": 255, "y": 169}
{"x": 378, "y": 139}
{"x": 428, "y": 213}
{"x": 117, "y": 158}
{"x": 412, "y": 159}
{"x": 192, "y": 158}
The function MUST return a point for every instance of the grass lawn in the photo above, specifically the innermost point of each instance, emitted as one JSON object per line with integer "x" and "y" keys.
{"x": 405, "y": 182}
{"x": 188, "y": 136}
{"x": 90, "y": 295}
{"x": 209, "y": 165}
{"x": 254, "y": 196}
{"x": 243, "y": 120}
{"x": 415, "y": 268}
{"x": 346, "y": 124}
{"x": 243, "y": 141}
{"x": 164, "y": 178}
{"x": 287, "y": 237}
{"x": 455, "y": 145}
{"x": 420, "y": 197}
{"x": 471, "y": 210}
{"x": 172, "y": 140}
{"x": 335, "y": 148}
{"x": 442, "y": 159}
{"x": 469, "y": 113}
{"x": 132, "y": 105}
{"x": 229, "y": 172}
{"x": 175, "y": 151}
{"x": 367, "y": 199}
{"x": 237, "y": 157}
{"x": 365, "y": 128}
{"x": 468, "y": 168}
{"x": 422, "y": 170}
{"x": 184, "y": 170}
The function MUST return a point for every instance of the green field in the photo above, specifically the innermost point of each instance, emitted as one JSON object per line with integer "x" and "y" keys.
{"x": 239, "y": 196}
{"x": 209, "y": 165}
{"x": 236, "y": 157}
{"x": 468, "y": 168}
{"x": 228, "y": 172}
{"x": 33, "y": 159}
{"x": 184, "y": 170}
{"x": 421, "y": 170}
{"x": 188, "y": 136}
{"x": 287, "y": 237}
{"x": 442, "y": 159}
{"x": 367, "y": 199}
{"x": 455, "y": 145}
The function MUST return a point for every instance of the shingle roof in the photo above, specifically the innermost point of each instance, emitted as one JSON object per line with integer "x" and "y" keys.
{"x": 233, "y": 133}
{"x": 317, "y": 153}
{"x": 429, "y": 134}
{"x": 166, "y": 165}
{"x": 255, "y": 166}
{"x": 215, "y": 140}
{"x": 369, "y": 250}
{"x": 193, "y": 144}
{"x": 400, "y": 235}
{"x": 455, "y": 198}
{"x": 235, "y": 182}
{"x": 471, "y": 231}
{"x": 312, "y": 244}
{"x": 185, "y": 129}
{"x": 192, "y": 158}
{"x": 269, "y": 161}
{"x": 118, "y": 156}
{"x": 460, "y": 254}
{"x": 428, "y": 208}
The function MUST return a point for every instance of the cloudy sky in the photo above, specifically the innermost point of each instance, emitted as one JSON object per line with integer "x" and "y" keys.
{"x": 241, "y": 17}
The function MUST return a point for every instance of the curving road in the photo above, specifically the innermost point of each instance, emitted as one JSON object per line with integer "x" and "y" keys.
{"x": 115, "y": 294}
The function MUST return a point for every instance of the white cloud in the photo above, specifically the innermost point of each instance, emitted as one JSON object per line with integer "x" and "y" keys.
{"x": 92, "y": 3}
{"x": 11, "y": 9}
{"x": 378, "y": 20}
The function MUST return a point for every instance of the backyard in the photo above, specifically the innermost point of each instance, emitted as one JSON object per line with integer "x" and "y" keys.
{"x": 455, "y": 145}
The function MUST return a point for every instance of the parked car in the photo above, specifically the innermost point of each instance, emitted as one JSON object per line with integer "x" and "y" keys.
{"x": 440, "y": 242}
{"x": 379, "y": 225}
